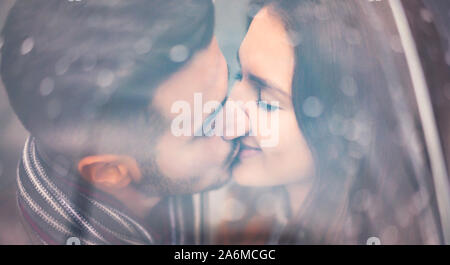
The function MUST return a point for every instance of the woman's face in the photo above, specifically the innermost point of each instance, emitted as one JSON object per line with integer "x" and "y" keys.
{"x": 267, "y": 66}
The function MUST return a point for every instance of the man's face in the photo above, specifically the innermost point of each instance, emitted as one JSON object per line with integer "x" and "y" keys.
{"x": 189, "y": 163}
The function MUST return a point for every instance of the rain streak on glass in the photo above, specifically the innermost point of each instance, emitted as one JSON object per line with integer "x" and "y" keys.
{"x": 27, "y": 46}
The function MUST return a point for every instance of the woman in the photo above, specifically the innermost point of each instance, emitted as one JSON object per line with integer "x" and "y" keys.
{"x": 350, "y": 158}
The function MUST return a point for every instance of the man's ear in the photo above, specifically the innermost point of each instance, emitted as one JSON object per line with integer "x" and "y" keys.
{"x": 109, "y": 172}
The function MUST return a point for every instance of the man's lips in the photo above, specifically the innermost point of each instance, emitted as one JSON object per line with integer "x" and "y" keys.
{"x": 246, "y": 151}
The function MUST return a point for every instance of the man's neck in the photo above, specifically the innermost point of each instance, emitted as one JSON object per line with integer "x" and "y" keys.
{"x": 139, "y": 204}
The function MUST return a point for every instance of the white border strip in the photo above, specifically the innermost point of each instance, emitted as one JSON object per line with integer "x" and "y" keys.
{"x": 432, "y": 140}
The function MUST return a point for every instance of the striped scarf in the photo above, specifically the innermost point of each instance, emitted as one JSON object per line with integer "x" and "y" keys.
{"x": 58, "y": 208}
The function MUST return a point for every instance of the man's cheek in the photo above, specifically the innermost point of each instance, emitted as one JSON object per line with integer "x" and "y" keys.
{"x": 170, "y": 157}
{"x": 210, "y": 151}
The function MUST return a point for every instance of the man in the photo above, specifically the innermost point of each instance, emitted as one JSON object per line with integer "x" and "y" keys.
{"x": 94, "y": 82}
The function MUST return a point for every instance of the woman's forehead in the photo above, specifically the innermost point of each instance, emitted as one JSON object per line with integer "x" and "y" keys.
{"x": 266, "y": 50}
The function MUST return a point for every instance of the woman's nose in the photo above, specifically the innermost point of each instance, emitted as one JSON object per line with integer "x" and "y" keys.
{"x": 237, "y": 120}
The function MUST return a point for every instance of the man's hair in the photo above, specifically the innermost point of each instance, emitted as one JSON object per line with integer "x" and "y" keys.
{"x": 68, "y": 65}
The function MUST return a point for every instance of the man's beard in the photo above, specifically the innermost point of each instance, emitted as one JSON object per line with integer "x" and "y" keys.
{"x": 156, "y": 184}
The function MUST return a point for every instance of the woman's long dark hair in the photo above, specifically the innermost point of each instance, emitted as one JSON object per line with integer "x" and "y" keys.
{"x": 351, "y": 95}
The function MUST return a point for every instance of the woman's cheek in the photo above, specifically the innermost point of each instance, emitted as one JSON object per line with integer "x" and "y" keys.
{"x": 284, "y": 131}
{"x": 266, "y": 127}
{"x": 291, "y": 159}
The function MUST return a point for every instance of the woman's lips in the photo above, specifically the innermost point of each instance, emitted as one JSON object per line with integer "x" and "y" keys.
{"x": 247, "y": 151}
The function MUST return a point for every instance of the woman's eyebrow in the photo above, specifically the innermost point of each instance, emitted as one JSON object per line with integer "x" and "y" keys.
{"x": 261, "y": 81}
{"x": 264, "y": 84}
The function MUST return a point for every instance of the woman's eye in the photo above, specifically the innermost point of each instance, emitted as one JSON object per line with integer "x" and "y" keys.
{"x": 266, "y": 106}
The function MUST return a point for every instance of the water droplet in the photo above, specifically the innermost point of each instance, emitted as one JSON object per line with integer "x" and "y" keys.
{"x": 143, "y": 46}
{"x": 352, "y": 225}
{"x": 403, "y": 217}
{"x": 63, "y": 65}
{"x": 27, "y": 46}
{"x": 352, "y": 131}
{"x": 295, "y": 38}
{"x": 353, "y": 37}
{"x": 426, "y": 15}
{"x": 373, "y": 241}
{"x": 1, "y": 41}
{"x": 419, "y": 201}
{"x": 126, "y": 65}
{"x": 389, "y": 235}
{"x": 266, "y": 204}
{"x": 355, "y": 151}
{"x": 234, "y": 210}
{"x": 362, "y": 200}
{"x": 179, "y": 53}
{"x": 73, "y": 241}
{"x": 105, "y": 78}
{"x": 312, "y": 107}
{"x": 301, "y": 234}
{"x": 348, "y": 86}
{"x": 447, "y": 57}
{"x": 396, "y": 44}
{"x": 54, "y": 109}
{"x": 47, "y": 86}
{"x": 88, "y": 62}
{"x": 61, "y": 165}
{"x": 321, "y": 13}
{"x": 446, "y": 90}
{"x": 375, "y": 22}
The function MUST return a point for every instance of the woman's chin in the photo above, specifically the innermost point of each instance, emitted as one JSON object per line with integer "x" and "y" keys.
{"x": 248, "y": 177}
{"x": 255, "y": 174}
